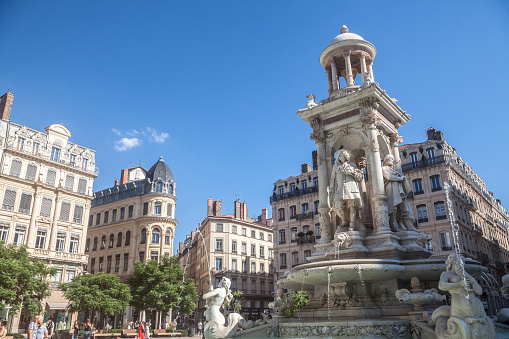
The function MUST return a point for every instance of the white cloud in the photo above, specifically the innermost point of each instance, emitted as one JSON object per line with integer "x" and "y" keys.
{"x": 157, "y": 137}
{"x": 132, "y": 133}
{"x": 127, "y": 143}
{"x": 116, "y": 131}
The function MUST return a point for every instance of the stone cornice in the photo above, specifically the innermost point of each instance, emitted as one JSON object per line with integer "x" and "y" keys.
{"x": 354, "y": 45}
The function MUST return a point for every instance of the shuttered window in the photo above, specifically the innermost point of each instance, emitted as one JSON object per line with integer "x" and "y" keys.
{"x": 78, "y": 214}
{"x": 46, "y": 207}
{"x": 82, "y": 186}
{"x": 65, "y": 209}
{"x": 9, "y": 200}
{"x": 69, "y": 182}
{"x": 50, "y": 177}
{"x": 31, "y": 172}
{"x": 15, "y": 168}
{"x": 25, "y": 202}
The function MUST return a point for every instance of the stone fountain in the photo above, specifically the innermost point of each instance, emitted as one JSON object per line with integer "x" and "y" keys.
{"x": 369, "y": 251}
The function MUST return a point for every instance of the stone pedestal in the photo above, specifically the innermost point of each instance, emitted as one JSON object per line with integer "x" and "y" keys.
{"x": 409, "y": 240}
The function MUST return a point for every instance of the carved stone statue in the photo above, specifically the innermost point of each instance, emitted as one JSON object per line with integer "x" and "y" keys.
{"x": 503, "y": 315}
{"x": 280, "y": 303}
{"x": 465, "y": 318}
{"x": 345, "y": 195}
{"x": 311, "y": 103}
{"x": 397, "y": 188}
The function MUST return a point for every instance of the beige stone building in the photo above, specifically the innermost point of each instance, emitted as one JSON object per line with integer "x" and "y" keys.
{"x": 238, "y": 248}
{"x": 481, "y": 218}
{"x": 133, "y": 220}
{"x": 296, "y": 226}
{"x": 45, "y": 190}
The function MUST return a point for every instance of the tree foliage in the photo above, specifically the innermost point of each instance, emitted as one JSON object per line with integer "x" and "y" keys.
{"x": 235, "y": 304}
{"x": 162, "y": 286}
{"x": 24, "y": 280}
{"x": 102, "y": 292}
{"x": 300, "y": 300}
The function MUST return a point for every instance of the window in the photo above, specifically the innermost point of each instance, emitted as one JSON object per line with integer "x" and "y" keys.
{"x": 51, "y": 176}
{"x": 293, "y": 211}
{"x": 103, "y": 242}
{"x": 60, "y": 244}
{"x": 117, "y": 263}
{"x": 292, "y": 187}
{"x": 262, "y": 252}
{"x": 270, "y": 237}
{"x": 282, "y": 237}
{"x": 98, "y": 219}
{"x": 4, "y": 232}
{"x": 234, "y": 284}
{"x": 440, "y": 210}
{"x": 422, "y": 214}
{"x": 73, "y": 244}
{"x": 112, "y": 241}
{"x": 413, "y": 159}
{"x": 316, "y": 203}
{"x": 307, "y": 254}
{"x": 106, "y": 216}
{"x": 155, "y": 235}
{"x": 72, "y": 160}
{"x": 253, "y": 250}
{"x": 55, "y": 154}
{"x": 108, "y": 264}
{"x": 57, "y": 278}
{"x": 219, "y": 227}
{"x": 127, "y": 238}
{"x": 282, "y": 260}
{"x": 82, "y": 186}
{"x": 126, "y": 262}
{"x": 445, "y": 241}
{"x": 219, "y": 245}
{"x": 304, "y": 185}
{"x": 119, "y": 239}
{"x": 25, "y": 203}
{"x": 234, "y": 246}
{"x": 262, "y": 235}
{"x": 435, "y": 183}
{"x": 159, "y": 187}
{"x": 305, "y": 229}
{"x": 154, "y": 255}
{"x": 145, "y": 208}
{"x": 244, "y": 285}
{"x": 169, "y": 210}
{"x": 219, "y": 264}
{"x": 31, "y": 172}
{"x": 92, "y": 265}
{"x": 293, "y": 234}
{"x": 101, "y": 260}
{"x": 244, "y": 231}
{"x": 167, "y": 237}
{"x": 40, "y": 239}
{"x": 244, "y": 266}
{"x": 234, "y": 229}
{"x": 130, "y": 211}
{"x": 19, "y": 235}
{"x": 35, "y": 149}
{"x": 84, "y": 164}
{"x": 280, "y": 190}
{"x": 315, "y": 182}
{"x": 87, "y": 245}
{"x": 244, "y": 248}
{"x": 234, "y": 264}
{"x": 317, "y": 231}
{"x": 9, "y": 200}
{"x": 78, "y": 214}
{"x": 94, "y": 247}
{"x": 141, "y": 256}
{"x": 21, "y": 144}
{"x": 15, "y": 168}
{"x": 46, "y": 207}
{"x": 295, "y": 258}
{"x": 305, "y": 207}
{"x": 69, "y": 182}
{"x": 253, "y": 267}
{"x": 430, "y": 152}
{"x": 418, "y": 187}
{"x": 122, "y": 212}
{"x": 270, "y": 253}
{"x": 281, "y": 214}
{"x": 262, "y": 267}
{"x": 143, "y": 237}
{"x": 65, "y": 209}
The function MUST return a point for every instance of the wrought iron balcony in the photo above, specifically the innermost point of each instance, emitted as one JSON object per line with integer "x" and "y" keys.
{"x": 306, "y": 240}
{"x": 304, "y": 216}
{"x": 296, "y": 193}
{"x": 423, "y": 163}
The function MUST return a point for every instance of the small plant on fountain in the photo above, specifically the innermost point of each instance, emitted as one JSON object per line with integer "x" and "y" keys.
{"x": 300, "y": 300}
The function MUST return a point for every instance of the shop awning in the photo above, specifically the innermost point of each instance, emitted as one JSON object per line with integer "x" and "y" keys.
{"x": 56, "y": 305}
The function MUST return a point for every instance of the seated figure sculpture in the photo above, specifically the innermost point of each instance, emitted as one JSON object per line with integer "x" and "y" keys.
{"x": 465, "y": 318}
{"x": 345, "y": 195}
{"x": 397, "y": 188}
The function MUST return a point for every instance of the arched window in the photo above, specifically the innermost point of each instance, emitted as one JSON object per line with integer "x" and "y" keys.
{"x": 143, "y": 238}
{"x": 94, "y": 248}
{"x": 155, "y": 235}
{"x": 167, "y": 237}
{"x": 112, "y": 240}
{"x": 103, "y": 242}
{"x": 170, "y": 189}
{"x": 87, "y": 246}
{"x": 127, "y": 238}
{"x": 119, "y": 239}
{"x": 159, "y": 187}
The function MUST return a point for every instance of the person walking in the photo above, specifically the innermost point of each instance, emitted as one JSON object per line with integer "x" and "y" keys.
{"x": 42, "y": 331}
{"x": 3, "y": 329}
{"x": 147, "y": 330}
{"x": 49, "y": 326}
{"x": 76, "y": 329}
{"x": 141, "y": 331}
{"x": 200, "y": 328}
{"x": 87, "y": 329}
{"x": 32, "y": 328}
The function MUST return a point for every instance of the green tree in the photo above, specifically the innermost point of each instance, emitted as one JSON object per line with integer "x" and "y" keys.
{"x": 104, "y": 293}
{"x": 24, "y": 280}
{"x": 236, "y": 302}
{"x": 162, "y": 286}
{"x": 300, "y": 300}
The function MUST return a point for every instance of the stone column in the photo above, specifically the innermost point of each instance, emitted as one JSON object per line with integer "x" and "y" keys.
{"x": 370, "y": 66}
{"x": 348, "y": 64}
{"x": 36, "y": 206}
{"x": 335, "y": 80}
{"x": 395, "y": 141}
{"x": 56, "y": 213}
{"x": 329, "y": 80}
{"x": 364, "y": 69}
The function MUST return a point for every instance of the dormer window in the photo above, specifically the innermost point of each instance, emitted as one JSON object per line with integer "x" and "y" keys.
{"x": 292, "y": 187}
{"x": 159, "y": 187}
{"x": 55, "y": 153}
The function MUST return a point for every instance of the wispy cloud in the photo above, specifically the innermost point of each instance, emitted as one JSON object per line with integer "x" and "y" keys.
{"x": 127, "y": 143}
{"x": 133, "y": 138}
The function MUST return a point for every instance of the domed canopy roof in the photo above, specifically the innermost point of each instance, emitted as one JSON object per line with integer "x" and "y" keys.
{"x": 345, "y": 35}
{"x": 160, "y": 171}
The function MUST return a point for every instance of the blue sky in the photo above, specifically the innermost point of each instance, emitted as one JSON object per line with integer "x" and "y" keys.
{"x": 213, "y": 86}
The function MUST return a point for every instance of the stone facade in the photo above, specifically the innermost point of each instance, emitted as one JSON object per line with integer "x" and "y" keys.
{"x": 236, "y": 247}
{"x": 133, "y": 220}
{"x": 46, "y": 189}
{"x": 296, "y": 225}
{"x": 481, "y": 218}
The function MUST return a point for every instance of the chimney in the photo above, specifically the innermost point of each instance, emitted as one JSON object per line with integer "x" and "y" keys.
{"x": 433, "y": 134}
{"x": 6, "y": 105}
{"x": 116, "y": 182}
{"x": 193, "y": 233}
{"x": 244, "y": 211}
{"x": 236, "y": 209}
{"x": 264, "y": 216}
{"x": 306, "y": 168}
{"x": 217, "y": 208}
{"x": 124, "y": 176}
{"x": 314, "y": 155}
{"x": 181, "y": 245}
{"x": 210, "y": 207}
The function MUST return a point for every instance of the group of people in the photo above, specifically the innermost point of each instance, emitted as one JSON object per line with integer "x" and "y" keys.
{"x": 37, "y": 330}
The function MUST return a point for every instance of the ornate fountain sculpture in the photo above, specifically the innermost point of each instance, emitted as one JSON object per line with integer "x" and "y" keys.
{"x": 503, "y": 315}
{"x": 280, "y": 303}
{"x": 419, "y": 298}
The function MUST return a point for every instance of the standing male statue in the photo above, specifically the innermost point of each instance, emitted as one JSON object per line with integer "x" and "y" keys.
{"x": 397, "y": 188}
{"x": 345, "y": 195}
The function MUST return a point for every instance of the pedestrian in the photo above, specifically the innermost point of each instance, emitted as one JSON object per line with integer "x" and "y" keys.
{"x": 3, "y": 329}
{"x": 141, "y": 332}
{"x": 107, "y": 327}
{"x": 200, "y": 327}
{"x": 42, "y": 331}
{"x": 32, "y": 328}
{"x": 147, "y": 330}
{"x": 87, "y": 329}
{"x": 76, "y": 329}
{"x": 166, "y": 326}
{"x": 49, "y": 326}
{"x": 119, "y": 324}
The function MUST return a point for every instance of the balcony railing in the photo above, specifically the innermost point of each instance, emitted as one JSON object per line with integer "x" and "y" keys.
{"x": 435, "y": 189}
{"x": 296, "y": 193}
{"x": 282, "y": 266}
{"x": 423, "y": 163}
{"x": 441, "y": 217}
{"x": 422, "y": 220}
{"x": 304, "y": 216}
{"x": 446, "y": 248}
{"x": 306, "y": 240}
